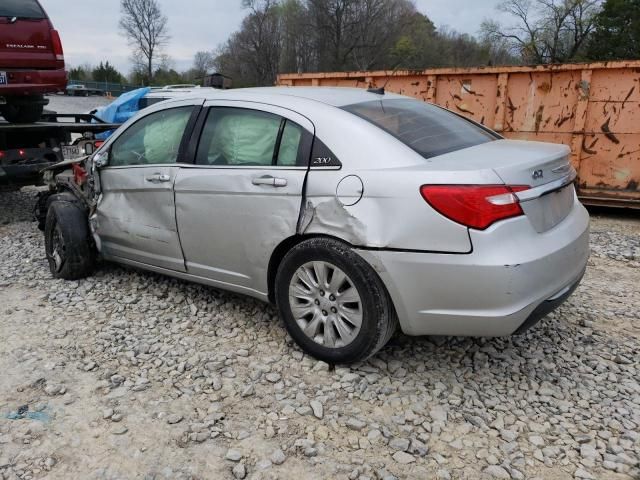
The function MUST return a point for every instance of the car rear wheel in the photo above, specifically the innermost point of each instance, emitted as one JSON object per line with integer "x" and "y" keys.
{"x": 332, "y": 302}
{"x": 68, "y": 244}
{"x": 22, "y": 113}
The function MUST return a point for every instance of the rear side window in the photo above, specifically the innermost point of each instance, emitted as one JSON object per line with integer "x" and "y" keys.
{"x": 21, "y": 9}
{"x": 427, "y": 129}
{"x": 244, "y": 138}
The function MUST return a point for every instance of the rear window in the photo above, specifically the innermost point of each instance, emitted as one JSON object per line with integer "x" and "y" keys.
{"x": 21, "y": 9}
{"x": 427, "y": 129}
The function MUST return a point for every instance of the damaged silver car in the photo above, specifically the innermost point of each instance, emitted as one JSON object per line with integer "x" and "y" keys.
{"x": 353, "y": 211}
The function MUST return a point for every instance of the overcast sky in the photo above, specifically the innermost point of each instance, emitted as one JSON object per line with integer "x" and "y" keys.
{"x": 89, "y": 28}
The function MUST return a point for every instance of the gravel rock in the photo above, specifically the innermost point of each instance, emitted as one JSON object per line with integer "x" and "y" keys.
{"x": 318, "y": 411}
{"x": 443, "y": 474}
{"x": 119, "y": 430}
{"x": 278, "y": 457}
{"x": 583, "y": 474}
{"x": 233, "y": 455}
{"x": 401, "y": 444}
{"x": 403, "y": 458}
{"x": 355, "y": 424}
{"x": 239, "y": 471}
{"x": 174, "y": 418}
{"x": 273, "y": 377}
{"x": 496, "y": 471}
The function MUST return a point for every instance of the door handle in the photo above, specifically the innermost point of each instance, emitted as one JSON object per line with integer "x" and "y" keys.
{"x": 269, "y": 180}
{"x": 158, "y": 178}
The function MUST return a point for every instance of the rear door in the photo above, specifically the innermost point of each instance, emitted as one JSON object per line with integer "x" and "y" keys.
{"x": 135, "y": 218}
{"x": 25, "y": 36}
{"x": 243, "y": 194}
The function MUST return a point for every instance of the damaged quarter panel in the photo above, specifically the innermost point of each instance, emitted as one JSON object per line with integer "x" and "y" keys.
{"x": 391, "y": 213}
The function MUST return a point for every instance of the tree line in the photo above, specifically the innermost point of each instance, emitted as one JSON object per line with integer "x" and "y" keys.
{"x": 341, "y": 35}
{"x": 278, "y": 36}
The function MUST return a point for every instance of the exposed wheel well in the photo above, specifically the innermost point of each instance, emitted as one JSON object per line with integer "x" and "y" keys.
{"x": 280, "y": 252}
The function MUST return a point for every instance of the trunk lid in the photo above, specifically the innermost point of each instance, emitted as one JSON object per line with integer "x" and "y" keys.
{"x": 544, "y": 167}
{"x": 25, "y": 36}
{"x": 527, "y": 163}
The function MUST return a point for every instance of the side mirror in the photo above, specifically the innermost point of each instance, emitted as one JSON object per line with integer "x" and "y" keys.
{"x": 101, "y": 159}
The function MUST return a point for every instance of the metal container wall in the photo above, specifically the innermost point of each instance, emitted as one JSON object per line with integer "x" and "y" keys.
{"x": 593, "y": 108}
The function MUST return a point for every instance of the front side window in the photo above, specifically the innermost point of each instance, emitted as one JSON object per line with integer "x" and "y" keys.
{"x": 242, "y": 137}
{"x": 427, "y": 129}
{"x": 153, "y": 140}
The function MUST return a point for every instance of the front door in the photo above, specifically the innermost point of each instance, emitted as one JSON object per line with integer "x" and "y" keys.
{"x": 135, "y": 218}
{"x": 242, "y": 195}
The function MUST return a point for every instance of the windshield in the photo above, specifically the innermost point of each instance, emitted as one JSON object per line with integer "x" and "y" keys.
{"x": 427, "y": 129}
{"x": 21, "y": 9}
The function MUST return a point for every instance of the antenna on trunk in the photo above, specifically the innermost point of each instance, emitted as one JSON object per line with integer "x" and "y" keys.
{"x": 380, "y": 90}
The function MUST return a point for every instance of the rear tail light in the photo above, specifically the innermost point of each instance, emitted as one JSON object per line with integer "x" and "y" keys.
{"x": 475, "y": 206}
{"x": 57, "y": 45}
{"x": 79, "y": 174}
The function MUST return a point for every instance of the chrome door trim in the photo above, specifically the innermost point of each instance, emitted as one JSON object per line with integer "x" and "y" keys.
{"x": 241, "y": 167}
{"x": 287, "y": 113}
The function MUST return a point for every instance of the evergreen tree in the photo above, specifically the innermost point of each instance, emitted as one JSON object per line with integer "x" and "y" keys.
{"x": 617, "y": 31}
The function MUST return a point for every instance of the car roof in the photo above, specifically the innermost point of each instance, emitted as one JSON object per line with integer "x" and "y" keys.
{"x": 334, "y": 96}
{"x": 180, "y": 92}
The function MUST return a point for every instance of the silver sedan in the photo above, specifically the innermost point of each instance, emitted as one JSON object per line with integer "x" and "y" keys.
{"x": 354, "y": 211}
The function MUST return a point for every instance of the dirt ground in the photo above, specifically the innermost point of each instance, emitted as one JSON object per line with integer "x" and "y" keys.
{"x": 133, "y": 375}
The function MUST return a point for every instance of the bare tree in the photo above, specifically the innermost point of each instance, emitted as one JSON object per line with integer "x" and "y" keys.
{"x": 319, "y": 35}
{"x": 546, "y": 31}
{"x": 202, "y": 62}
{"x": 252, "y": 55}
{"x": 146, "y": 28}
{"x": 298, "y": 47}
{"x": 379, "y": 24}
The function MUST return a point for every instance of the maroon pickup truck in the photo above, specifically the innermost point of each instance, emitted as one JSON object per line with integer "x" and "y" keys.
{"x": 31, "y": 60}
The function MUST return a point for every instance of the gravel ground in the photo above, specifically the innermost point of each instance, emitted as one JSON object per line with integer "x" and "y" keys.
{"x": 133, "y": 375}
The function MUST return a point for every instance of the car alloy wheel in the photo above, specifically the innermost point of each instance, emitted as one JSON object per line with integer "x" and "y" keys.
{"x": 325, "y": 304}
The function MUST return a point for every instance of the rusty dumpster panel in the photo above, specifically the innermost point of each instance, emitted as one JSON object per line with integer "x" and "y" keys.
{"x": 593, "y": 108}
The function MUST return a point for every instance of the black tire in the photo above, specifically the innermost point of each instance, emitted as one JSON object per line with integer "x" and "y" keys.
{"x": 68, "y": 242}
{"x": 379, "y": 319}
{"x": 44, "y": 201}
{"x": 23, "y": 113}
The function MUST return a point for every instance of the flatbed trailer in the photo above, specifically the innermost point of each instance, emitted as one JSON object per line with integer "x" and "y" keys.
{"x": 26, "y": 149}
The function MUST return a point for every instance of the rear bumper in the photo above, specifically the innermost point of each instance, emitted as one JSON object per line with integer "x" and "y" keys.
{"x": 33, "y": 82}
{"x": 548, "y": 306}
{"x": 513, "y": 278}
